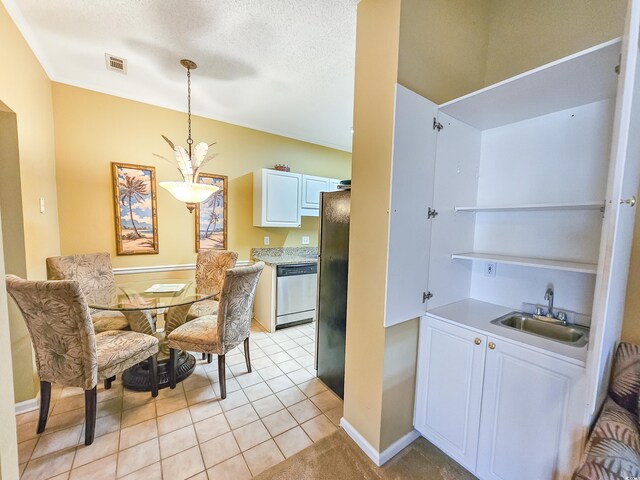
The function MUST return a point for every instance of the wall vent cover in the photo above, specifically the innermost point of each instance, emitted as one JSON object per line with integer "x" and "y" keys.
{"x": 116, "y": 64}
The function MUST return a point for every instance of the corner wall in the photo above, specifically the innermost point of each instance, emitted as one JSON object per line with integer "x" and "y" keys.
{"x": 26, "y": 90}
{"x": 377, "y": 42}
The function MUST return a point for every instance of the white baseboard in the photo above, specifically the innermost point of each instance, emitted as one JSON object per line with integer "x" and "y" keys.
{"x": 28, "y": 405}
{"x": 393, "y": 449}
{"x": 379, "y": 458}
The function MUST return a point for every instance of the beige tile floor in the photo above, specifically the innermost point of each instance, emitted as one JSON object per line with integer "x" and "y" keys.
{"x": 268, "y": 415}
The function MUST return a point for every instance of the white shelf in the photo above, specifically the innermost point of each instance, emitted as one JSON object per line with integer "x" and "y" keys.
{"x": 529, "y": 262}
{"x": 532, "y": 207}
{"x": 578, "y": 79}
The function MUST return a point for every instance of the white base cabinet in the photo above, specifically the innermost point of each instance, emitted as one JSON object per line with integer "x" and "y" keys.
{"x": 450, "y": 393}
{"x": 502, "y": 410}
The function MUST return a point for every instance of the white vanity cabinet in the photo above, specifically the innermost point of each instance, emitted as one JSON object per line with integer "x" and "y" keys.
{"x": 502, "y": 410}
{"x": 449, "y": 388}
{"x": 537, "y": 175}
{"x": 276, "y": 198}
{"x": 529, "y": 426}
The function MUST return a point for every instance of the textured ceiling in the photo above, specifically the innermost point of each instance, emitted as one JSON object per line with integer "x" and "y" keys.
{"x": 281, "y": 66}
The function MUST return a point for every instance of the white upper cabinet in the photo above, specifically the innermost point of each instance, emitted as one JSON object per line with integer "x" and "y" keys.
{"x": 312, "y": 186}
{"x": 276, "y": 198}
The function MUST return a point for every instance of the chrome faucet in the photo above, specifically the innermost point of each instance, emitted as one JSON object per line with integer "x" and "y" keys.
{"x": 549, "y": 296}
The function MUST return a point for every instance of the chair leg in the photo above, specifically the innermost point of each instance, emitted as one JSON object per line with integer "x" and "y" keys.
{"x": 45, "y": 400}
{"x": 90, "y": 404}
{"x": 209, "y": 358}
{"x": 247, "y": 355}
{"x": 107, "y": 382}
{"x": 204, "y": 357}
{"x": 222, "y": 377}
{"x": 153, "y": 375}
{"x": 172, "y": 367}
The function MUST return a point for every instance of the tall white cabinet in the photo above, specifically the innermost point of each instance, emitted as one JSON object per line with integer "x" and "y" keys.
{"x": 537, "y": 176}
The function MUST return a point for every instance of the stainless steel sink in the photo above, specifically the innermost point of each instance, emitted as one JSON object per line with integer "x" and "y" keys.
{"x": 551, "y": 329}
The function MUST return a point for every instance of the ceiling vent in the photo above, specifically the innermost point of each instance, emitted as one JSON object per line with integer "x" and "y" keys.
{"x": 116, "y": 64}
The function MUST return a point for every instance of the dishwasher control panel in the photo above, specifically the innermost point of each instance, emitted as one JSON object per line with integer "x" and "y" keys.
{"x": 296, "y": 269}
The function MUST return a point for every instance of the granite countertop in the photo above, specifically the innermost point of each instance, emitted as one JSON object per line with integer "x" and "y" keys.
{"x": 285, "y": 255}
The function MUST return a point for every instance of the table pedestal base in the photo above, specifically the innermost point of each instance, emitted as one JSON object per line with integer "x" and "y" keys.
{"x": 137, "y": 377}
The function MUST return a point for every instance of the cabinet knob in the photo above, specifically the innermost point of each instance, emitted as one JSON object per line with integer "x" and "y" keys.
{"x": 629, "y": 201}
{"x": 492, "y": 345}
{"x": 477, "y": 341}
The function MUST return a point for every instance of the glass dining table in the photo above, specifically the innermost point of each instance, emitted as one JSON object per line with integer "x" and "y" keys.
{"x": 141, "y": 302}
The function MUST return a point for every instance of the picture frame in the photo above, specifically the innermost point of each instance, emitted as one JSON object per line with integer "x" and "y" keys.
{"x": 211, "y": 215}
{"x": 134, "y": 193}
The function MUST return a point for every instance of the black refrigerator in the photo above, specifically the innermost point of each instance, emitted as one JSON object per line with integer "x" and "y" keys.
{"x": 333, "y": 266}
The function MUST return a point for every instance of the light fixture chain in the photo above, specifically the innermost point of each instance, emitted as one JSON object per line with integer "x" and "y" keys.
{"x": 189, "y": 139}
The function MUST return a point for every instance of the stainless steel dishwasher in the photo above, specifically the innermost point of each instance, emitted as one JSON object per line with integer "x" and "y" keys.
{"x": 296, "y": 286}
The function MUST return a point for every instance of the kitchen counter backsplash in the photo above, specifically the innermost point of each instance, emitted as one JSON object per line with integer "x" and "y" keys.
{"x": 284, "y": 255}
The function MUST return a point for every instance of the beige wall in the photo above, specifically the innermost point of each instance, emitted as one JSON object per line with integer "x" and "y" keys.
{"x": 443, "y": 47}
{"x": 375, "y": 77}
{"x": 94, "y": 129}
{"x": 526, "y": 34}
{"x": 26, "y": 90}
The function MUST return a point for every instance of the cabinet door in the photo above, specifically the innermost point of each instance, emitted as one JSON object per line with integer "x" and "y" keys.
{"x": 311, "y": 188}
{"x": 617, "y": 225}
{"x": 281, "y": 198}
{"x": 414, "y": 158}
{"x": 531, "y": 415}
{"x": 449, "y": 388}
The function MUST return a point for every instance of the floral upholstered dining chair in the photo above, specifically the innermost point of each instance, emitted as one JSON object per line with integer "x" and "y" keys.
{"x": 223, "y": 332}
{"x": 211, "y": 266}
{"x": 68, "y": 352}
{"x": 94, "y": 273}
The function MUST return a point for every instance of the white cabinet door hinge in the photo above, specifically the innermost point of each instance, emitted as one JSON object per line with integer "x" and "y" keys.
{"x": 437, "y": 125}
{"x": 431, "y": 213}
{"x": 426, "y": 296}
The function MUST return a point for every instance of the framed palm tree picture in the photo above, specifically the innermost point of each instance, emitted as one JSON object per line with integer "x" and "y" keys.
{"x": 134, "y": 190}
{"x": 211, "y": 215}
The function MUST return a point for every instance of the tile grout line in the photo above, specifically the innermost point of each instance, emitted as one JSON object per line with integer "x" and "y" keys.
{"x": 299, "y": 336}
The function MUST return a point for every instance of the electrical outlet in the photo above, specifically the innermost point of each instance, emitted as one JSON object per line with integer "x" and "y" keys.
{"x": 489, "y": 269}
{"x": 305, "y": 240}
{"x": 266, "y": 240}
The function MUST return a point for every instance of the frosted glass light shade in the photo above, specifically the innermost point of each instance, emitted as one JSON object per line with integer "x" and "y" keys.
{"x": 189, "y": 192}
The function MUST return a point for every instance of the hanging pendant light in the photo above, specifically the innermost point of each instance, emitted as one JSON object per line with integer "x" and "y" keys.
{"x": 189, "y": 161}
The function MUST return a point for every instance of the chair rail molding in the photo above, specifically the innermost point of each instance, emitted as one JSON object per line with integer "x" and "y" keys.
{"x": 165, "y": 268}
